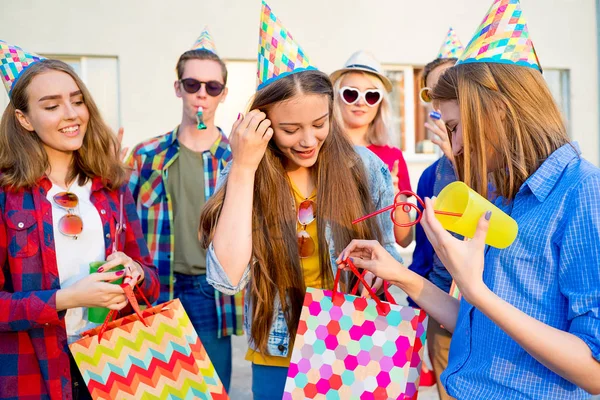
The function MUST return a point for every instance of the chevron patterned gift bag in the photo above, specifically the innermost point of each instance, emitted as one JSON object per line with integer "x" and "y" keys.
{"x": 158, "y": 356}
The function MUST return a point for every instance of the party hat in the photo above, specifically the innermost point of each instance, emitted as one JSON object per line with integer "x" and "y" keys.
{"x": 452, "y": 47}
{"x": 205, "y": 42}
{"x": 13, "y": 61}
{"x": 503, "y": 38}
{"x": 278, "y": 53}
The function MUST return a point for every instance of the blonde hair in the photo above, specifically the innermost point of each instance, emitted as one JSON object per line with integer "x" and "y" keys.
{"x": 380, "y": 129}
{"x": 23, "y": 159}
{"x": 509, "y": 110}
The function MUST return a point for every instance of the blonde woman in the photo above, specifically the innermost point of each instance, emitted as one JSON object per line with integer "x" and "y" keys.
{"x": 362, "y": 103}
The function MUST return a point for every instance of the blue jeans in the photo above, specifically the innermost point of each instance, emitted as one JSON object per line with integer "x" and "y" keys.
{"x": 198, "y": 299}
{"x": 268, "y": 383}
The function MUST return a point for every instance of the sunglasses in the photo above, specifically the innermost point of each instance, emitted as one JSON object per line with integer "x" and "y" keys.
{"x": 424, "y": 95}
{"x": 191, "y": 85}
{"x": 351, "y": 95}
{"x": 306, "y": 215}
{"x": 70, "y": 224}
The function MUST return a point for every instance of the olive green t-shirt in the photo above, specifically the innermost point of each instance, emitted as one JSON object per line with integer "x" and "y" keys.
{"x": 185, "y": 185}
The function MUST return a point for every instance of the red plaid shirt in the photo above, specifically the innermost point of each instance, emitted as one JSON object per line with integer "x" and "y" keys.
{"x": 34, "y": 360}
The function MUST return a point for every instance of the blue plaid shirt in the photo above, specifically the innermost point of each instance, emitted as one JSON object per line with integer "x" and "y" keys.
{"x": 551, "y": 272}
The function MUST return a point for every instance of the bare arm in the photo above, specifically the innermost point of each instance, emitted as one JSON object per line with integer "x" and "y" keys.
{"x": 233, "y": 235}
{"x": 370, "y": 255}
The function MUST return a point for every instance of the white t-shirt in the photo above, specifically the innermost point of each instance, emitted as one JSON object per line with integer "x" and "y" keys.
{"x": 73, "y": 256}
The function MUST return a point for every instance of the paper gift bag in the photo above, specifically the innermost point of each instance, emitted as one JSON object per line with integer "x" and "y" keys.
{"x": 353, "y": 348}
{"x": 154, "y": 354}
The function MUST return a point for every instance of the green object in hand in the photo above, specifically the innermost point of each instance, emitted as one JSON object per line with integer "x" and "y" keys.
{"x": 99, "y": 314}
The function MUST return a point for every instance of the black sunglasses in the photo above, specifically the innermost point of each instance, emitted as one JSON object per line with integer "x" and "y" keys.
{"x": 191, "y": 85}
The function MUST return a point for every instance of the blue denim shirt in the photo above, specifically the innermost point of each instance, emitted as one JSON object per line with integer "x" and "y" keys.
{"x": 551, "y": 272}
{"x": 382, "y": 193}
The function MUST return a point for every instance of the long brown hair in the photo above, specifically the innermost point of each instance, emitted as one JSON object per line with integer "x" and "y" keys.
{"x": 505, "y": 109}
{"x": 343, "y": 194}
{"x": 23, "y": 159}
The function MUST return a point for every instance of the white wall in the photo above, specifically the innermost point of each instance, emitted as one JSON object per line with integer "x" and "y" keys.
{"x": 148, "y": 36}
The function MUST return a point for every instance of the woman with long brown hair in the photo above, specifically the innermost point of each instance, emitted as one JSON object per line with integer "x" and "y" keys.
{"x": 60, "y": 188}
{"x": 285, "y": 207}
{"x": 528, "y": 325}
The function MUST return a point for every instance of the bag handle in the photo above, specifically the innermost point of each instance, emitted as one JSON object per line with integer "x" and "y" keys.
{"x": 134, "y": 304}
{"x": 386, "y": 290}
{"x": 382, "y": 308}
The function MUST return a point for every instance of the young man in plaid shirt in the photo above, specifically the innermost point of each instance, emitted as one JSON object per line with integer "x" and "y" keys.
{"x": 173, "y": 175}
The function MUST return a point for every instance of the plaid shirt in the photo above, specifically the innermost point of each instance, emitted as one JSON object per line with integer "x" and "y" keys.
{"x": 34, "y": 360}
{"x": 150, "y": 161}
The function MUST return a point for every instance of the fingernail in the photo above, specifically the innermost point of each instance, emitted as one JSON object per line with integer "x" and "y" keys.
{"x": 101, "y": 269}
{"x": 351, "y": 259}
{"x": 239, "y": 116}
{"x": 435, "y": 115}
{"x": 119, "y": 273}
{"x": 488, "y": 215}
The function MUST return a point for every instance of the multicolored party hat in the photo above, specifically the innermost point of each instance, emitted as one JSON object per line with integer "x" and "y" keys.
{"x": 503, "y": 38}
{"x": 205, "y": 42}
{"x": 452, "y": 47}
{"x": 13, "y": 61}
{"x": 278, "y": 53}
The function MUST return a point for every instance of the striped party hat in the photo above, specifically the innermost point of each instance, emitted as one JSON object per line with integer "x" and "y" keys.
{"x": 452, "y": 47}
{"x": 13, "y": 61}
{"x": 278, "y": 53}
{"x": 503, "y": 38}
{"x": 205, "y": 42}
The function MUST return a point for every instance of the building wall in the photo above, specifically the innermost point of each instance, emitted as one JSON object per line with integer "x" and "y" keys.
{"x": 145, "y": 38}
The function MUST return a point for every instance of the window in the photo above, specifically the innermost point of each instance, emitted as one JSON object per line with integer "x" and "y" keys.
{"x": 409, "y": 115}
{"x": 101, "y": 76}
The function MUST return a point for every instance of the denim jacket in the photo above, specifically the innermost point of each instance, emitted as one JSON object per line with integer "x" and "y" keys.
{"x": 382, "y": 194}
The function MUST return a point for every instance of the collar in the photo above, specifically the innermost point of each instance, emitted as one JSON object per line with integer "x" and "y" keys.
{"x": 545, "y": 178}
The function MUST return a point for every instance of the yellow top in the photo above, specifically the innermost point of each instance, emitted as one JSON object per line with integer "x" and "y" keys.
{"x": 312, "y": 278}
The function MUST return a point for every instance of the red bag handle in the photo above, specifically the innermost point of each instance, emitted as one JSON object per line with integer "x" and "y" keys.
{"x": 134, "y": 304}
{"x": 386, "y": 290}
{"x": 383, "y": 308}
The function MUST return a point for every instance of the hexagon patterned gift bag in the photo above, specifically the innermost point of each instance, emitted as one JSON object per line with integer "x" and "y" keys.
{"x": 354, "y": 348}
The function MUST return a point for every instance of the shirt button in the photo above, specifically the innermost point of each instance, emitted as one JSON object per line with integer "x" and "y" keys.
{"x": 108, "y": 235}
{"x": 281, "y": 348}
{"x": 20, "y": 225}
{"x": 102, "y": 211}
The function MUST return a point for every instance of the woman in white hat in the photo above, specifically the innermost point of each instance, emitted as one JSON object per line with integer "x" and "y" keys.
{"x": 362, "y": 102}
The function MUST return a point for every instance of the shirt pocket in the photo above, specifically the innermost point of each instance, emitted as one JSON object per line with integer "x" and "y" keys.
{"x": 152, "y": 188}
{"x": 23, "y": 236}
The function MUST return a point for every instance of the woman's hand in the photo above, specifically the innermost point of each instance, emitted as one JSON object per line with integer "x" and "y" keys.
{"x": 370, "y": 255}
{"x": 134, "y": 272}
{"x": 442, "y": 139}
{"x": 94, "y": 290}
{"x": 463, "y": 259}
{"x": 249, "y": 138}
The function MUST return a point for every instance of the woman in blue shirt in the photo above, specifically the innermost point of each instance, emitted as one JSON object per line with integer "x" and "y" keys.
{"x": 528, "y": 325}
